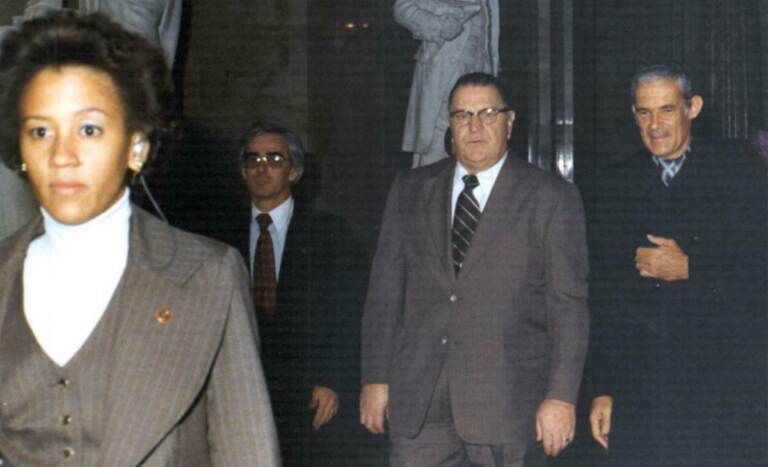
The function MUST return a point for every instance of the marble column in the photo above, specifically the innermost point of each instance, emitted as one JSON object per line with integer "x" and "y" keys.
{"x": 17, "y": 204}
{"x": 16, "y": 201}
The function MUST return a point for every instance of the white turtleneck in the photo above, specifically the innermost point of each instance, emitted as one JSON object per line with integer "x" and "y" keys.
{"x": 70, "y": 275}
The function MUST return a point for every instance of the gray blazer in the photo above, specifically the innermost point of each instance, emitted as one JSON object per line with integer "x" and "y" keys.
{"x": 511, "y": 328}
{"x": 189, "y": 391}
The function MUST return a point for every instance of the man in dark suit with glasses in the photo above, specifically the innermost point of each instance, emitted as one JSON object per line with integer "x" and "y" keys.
{"x": 307, "y": 290}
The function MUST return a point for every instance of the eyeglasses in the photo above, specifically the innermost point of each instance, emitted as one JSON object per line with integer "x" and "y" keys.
{"x": 274, "y": 160}
{"x": 487, "y": 116}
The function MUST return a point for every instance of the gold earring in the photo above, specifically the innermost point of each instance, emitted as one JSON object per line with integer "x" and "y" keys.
{"x": 23, "y": 167}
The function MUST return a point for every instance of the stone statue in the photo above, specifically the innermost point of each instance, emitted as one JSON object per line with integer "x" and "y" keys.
{"x": 157, "y": 20}
{"x": 458, "y": 37}
{"x": 17, "y": 205}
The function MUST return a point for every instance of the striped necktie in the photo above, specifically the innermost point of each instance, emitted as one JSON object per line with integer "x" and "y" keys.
{"x": 465, "y": 221}
{"x": 264, "y": 274}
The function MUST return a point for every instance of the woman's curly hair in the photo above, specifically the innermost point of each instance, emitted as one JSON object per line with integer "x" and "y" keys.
{"x": 66, "y": 38}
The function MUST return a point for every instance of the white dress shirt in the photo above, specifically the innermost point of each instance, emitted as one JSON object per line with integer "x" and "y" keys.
{"x": 487, "y": 179}
{"x": 278, "y": 229}
{"x": 70, "y": 275}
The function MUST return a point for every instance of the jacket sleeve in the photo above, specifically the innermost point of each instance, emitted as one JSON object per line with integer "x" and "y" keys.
{"x": 383, "y": 303}
{"x": 566, "y": 296}
{"x": 336, "y": 330}
{"x": 241, "y": 429}
{"x": 735, "y": 267}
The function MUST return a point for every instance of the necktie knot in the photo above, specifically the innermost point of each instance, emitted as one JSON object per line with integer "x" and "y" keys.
{"x": 669, "y": 168}
{"x": 470, "y": 182}
{"x": 264, "y": 221}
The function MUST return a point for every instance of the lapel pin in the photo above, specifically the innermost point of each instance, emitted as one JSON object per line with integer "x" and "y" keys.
{"x": 163, "y": 315}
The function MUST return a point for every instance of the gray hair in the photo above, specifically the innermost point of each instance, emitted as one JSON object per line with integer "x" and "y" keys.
{"x": 264, "y": 127}
{"x": 659, "y": 72}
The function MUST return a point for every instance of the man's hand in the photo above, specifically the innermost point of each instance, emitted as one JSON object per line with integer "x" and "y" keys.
{"x": 325, "y": 402}
{"x": 665, "y": 261}
{"x": 600, "y": 419}
{"x": 555, "y": 425}
{"x": 374, "y": 402}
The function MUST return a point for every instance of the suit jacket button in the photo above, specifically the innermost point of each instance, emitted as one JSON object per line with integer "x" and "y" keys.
{"x": 68, "y": 452}
{"x": 444, "y": 340}
{"x": 453, "y": 298}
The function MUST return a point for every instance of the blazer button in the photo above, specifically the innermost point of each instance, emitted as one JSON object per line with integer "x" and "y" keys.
{"x": 69, "y": 452}
{"x": 64, "y": 382}
{"x": 453, "y": 298}
{"x": 66, "y": 419}
{"x": 444, "y": 340}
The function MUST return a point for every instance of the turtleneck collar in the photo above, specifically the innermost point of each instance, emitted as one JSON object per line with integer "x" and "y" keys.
{"x": 100, "y": 233}
{"x": 70, "y": 275}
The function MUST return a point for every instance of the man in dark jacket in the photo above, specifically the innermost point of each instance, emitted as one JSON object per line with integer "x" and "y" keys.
{"x": 308, "y": 285}
{"x": 678, "y": 242}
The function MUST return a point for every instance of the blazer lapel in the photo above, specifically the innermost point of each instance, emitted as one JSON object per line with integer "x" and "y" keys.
{"x": 161, "y": 358}
{"x": 437, "y": 206}
{"x": 12, "y": 254}
{"x": 501, "y": 211}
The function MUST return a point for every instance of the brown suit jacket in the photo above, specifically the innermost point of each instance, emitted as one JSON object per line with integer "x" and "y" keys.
{"x": 512, "y": 328}
{"x": 189, "y": 391}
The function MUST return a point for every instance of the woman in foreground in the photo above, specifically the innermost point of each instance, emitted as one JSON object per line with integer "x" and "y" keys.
{"x": 123, "y": 341}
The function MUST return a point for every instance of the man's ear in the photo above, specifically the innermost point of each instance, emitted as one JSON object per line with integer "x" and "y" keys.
{"x": 293, "y": 175}
{"x": 510, "y": 123}
{"x": 139, "y": 152}
{"x": 697, "y": 103}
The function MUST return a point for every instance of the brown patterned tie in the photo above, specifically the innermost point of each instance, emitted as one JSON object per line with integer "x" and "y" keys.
{"x": 264, "y": 277}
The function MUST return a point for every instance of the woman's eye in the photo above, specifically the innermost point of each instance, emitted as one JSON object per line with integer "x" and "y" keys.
{"x": 90, "y": 130}
{"x": 38, "y": 132}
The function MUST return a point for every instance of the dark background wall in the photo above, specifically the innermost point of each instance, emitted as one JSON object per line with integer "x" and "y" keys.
{"x": 718, "y": 42}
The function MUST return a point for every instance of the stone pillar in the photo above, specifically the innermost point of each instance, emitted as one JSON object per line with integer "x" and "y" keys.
{"x": 16, "y": 201}
{"x": 17, "y": 204}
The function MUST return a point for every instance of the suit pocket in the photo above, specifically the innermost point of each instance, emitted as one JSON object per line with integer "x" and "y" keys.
{"x": 527, "y": 347}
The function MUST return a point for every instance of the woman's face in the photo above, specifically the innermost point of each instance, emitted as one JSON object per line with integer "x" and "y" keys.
{"x": 75, "y": 143}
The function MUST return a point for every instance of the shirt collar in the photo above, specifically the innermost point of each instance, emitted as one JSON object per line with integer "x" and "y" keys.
{"x": 486, "y": 178}
{"x": 281, "y": 215}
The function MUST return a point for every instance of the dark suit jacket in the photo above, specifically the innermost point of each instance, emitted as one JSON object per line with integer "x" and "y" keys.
{"x": 673, "y": 353}
{"x": 314, "y": 338}
{"x": 187, "y": 392}
{"x": 512, "y": 327}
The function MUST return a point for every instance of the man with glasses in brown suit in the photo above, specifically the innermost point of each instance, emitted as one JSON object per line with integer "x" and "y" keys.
{"x": 476, "y": 323}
